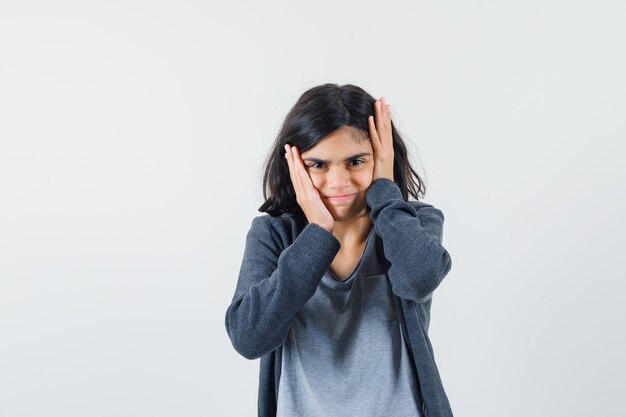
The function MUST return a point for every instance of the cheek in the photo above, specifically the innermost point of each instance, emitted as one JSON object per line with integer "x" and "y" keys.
{"x": 317, "y": 180}
{"x": 365, "y": 178}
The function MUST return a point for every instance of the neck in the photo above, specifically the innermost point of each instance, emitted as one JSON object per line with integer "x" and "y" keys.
{"x": 354, "y": 231}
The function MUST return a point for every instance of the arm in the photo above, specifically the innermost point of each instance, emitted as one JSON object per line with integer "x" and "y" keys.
{"x": 273, "y": 285}
{"x": 412, "y": 241}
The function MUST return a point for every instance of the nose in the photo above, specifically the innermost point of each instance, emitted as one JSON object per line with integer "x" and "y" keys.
{"x": 338, "y": 178}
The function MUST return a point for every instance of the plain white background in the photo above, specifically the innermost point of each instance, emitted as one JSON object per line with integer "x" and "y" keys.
{"x": 133, "y": 135}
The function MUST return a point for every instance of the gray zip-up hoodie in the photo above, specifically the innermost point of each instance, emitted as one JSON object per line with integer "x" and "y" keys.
{"x": 285, "y": 259}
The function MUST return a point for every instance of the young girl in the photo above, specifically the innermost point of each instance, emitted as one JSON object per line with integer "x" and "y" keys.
{"x": 336, "y": 282}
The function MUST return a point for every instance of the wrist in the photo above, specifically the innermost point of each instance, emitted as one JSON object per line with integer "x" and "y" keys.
{"x": 328, "y": 228}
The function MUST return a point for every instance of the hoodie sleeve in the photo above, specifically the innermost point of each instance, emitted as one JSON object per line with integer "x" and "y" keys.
{"x": 412, "y": 241}
{"x": 274, "y": 284}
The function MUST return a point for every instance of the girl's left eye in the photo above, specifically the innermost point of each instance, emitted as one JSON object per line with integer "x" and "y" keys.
{"x": 357, "y": 160}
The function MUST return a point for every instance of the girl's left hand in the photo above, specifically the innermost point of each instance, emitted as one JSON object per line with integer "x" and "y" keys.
{"x": 382, "y": 140}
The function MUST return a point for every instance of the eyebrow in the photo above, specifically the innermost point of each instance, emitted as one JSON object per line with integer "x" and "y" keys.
{"x": 321, "y": 161}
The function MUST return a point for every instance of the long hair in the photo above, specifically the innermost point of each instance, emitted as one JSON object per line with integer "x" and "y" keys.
{"x": 318, "y": 112}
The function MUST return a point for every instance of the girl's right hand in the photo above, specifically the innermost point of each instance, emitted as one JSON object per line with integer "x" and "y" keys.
{"x": 307, "y": 196}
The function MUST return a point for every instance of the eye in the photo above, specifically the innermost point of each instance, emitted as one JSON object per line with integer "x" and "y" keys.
{"x": 317, "y": 165}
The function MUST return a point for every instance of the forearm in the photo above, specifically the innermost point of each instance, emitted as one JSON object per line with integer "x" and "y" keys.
{"x": 266, "y": 300}
{"x": 418, "y": 260}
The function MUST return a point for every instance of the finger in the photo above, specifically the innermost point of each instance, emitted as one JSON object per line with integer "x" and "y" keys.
{"x": 287, "y": 152}
{"x": 389, "y": 126}
{"x": 310, "y": 189}
{"x": 297, "y": 170}
{"x": 388, "y": 121}
{"x": 290, "y": 163}
{"x": 386, "y": 127}
{"x": 373, "y": 133}
{"x": 387, "y": 112}
{"x": 305, "y": 181}
{"x": 287, "y": 156}
{"x": 380, "y": 117}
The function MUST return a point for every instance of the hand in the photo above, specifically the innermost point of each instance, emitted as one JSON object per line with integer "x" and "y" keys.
{"x": 382, "y": 140}
{"x": 307, "y": 195}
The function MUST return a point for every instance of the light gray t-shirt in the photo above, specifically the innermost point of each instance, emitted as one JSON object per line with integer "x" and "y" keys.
{"x": 344, "y": 354}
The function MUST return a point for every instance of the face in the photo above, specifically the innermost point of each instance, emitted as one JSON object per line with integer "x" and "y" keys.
{"x": 342, "y": 164}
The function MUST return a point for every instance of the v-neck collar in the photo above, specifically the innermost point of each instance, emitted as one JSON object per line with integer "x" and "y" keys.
{"x": 359, "y": 262}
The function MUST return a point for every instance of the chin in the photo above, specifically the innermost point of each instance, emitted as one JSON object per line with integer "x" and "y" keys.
{"x": 345, "y": 213}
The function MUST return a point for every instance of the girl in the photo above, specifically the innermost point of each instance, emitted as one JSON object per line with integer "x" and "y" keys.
{"x": 336, "y": 281}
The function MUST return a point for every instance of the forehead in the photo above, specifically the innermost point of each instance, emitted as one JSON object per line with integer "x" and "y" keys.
{"x": 343, "y": 141}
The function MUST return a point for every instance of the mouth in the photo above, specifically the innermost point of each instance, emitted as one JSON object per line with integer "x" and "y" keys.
{"x": 345, "y": 197}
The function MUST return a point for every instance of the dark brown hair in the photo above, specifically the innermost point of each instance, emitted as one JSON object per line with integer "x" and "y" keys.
{"x": 318, "y": 112}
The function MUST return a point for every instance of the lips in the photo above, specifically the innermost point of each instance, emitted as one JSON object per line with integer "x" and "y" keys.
{"x": 341, "y": 198}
